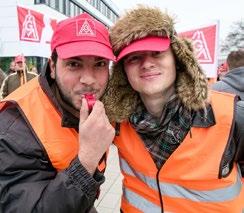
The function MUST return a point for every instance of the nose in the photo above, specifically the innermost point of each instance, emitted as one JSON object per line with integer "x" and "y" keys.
{"x": 147, "y": 62}
{"x": 87, "y": 76}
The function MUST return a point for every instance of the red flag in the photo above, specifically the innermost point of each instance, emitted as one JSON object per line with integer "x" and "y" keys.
{"x": 32, "y": 25}
{"x": 204, "y": 42}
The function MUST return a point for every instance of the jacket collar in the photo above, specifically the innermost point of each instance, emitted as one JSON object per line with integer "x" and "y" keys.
{"x": 204, "y": 118}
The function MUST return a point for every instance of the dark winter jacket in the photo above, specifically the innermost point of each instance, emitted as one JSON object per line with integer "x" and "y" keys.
{"x": 2, "y": 77}
{"x": 232, "y": 82}
{"x": 28, "y": 181}
{"x": 12, "y": 82}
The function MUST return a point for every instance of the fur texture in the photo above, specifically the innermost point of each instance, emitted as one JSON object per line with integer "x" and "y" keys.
{"x": 120, "y": 99}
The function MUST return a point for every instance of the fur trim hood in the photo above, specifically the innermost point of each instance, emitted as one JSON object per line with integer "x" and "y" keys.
{"x": 120, "y": 99}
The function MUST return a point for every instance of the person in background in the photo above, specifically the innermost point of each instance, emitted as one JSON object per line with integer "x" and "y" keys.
{"x": 11, "y": 67}
{"x": 52, "y": 150}
{"x": 2, "y": 76}
{"x": 222, "y": 70}
{"x": 179, "y": 149}
{"x": 233, "y": 80}
{"x": 17, "y": 78}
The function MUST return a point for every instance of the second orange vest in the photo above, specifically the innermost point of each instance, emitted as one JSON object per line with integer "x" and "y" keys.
{"x": 188, "y": 181}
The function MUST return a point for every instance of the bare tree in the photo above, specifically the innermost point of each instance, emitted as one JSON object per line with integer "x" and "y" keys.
{"x": 234, "y": 39}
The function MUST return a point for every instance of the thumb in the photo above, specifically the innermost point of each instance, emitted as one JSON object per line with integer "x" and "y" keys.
{"x": 84, "y": 111}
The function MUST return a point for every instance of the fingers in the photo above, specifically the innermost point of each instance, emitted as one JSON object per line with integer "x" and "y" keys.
{"x": 97, "y": 114}
{"x": 98, "y": 110}
{"x": 84, "y": 112}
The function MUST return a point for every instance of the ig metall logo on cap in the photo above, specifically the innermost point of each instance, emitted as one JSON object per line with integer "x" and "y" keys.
{"x": 85, "y": 27}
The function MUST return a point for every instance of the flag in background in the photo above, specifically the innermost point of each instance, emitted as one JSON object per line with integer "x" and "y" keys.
{"x": 205, "y": 43}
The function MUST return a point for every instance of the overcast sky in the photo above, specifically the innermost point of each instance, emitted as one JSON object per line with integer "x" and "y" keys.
{"x": 192, "y": 14}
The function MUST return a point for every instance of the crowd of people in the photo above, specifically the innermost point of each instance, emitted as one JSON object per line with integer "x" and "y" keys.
{"x": 180, "y": 150}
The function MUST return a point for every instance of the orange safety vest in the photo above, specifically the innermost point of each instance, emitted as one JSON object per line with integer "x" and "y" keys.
{"x": 60, "y": 143}
{"x": 188, "y": 181}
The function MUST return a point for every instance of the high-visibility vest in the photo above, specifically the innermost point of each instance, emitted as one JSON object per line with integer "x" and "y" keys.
{"x": 60, "y": 143}
{"x": 188, "y": 181}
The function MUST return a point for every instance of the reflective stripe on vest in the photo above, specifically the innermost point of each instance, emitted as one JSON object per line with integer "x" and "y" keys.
{"x": 140, "y": 202}
{"x": 60, "y": 143}
{"x": 173, "y": 190}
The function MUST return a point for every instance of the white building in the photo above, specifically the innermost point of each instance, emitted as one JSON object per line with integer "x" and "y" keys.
{"x": 12, "y": 41}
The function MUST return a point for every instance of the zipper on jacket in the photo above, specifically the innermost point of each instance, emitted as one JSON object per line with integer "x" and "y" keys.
{"x": 159, "y": 192}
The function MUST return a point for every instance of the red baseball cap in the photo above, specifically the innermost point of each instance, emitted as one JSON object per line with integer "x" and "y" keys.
{"x": 19, "y": 58}
{"x": 151, "y": 43}
{"x": 81, "y": 35}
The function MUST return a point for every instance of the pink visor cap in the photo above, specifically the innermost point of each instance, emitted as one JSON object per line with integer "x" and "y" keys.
{"x": 19, "y": 58}
{"x": 81, "y": 35}
{"x": 151, "y": 43}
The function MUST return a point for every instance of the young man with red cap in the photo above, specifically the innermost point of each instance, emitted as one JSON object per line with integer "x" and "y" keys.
{"x": 180, "y": 150}
{"x": 52, "y": 149}
{"x": 17, "y": 78}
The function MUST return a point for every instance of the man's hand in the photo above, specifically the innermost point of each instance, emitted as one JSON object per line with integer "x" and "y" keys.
{"x": 95, "y": 135}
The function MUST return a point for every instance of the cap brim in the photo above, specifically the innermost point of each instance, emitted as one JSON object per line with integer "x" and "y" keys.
{"x": 17, "y": 61}
{"x": 88, "y": 48}
{"x": 145, "y": 44}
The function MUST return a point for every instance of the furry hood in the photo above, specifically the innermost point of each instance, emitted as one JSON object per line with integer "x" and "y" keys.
{"x": 120, "y": 99}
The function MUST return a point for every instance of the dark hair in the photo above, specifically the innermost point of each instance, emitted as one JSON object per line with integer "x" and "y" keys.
{"x": 235, "y": 59}
{"x": 54, "y": 56}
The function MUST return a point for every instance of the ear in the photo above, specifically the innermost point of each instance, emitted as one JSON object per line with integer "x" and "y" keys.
{"x": 52, "y": 66}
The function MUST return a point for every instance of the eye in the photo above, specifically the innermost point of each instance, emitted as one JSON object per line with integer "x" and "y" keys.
{"x": 73, "y": 65}
{"x": 157, "y": 53}
{"x": 101, "y": 63}
{"x": 132, "y": 58}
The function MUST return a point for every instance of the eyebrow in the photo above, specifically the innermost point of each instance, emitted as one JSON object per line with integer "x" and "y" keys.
{"x": 80, "y": 59}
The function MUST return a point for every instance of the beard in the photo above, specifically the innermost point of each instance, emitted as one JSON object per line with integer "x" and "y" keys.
{"x": 66, "y": 98}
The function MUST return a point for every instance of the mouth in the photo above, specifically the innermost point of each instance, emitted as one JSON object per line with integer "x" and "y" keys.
{"x": 85, "y": 94}
{"x": 149, "y": 75}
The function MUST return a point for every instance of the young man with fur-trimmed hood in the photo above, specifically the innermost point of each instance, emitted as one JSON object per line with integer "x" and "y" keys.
{"x": 178, "y": 146}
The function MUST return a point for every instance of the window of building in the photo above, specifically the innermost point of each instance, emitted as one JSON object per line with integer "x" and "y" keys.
{"x": 62, "y": 6}
{"x": 40, "y": 1}
{"x": 108, "y": 13}
{"x": 67, "y": 8}
{"x": 98, "y": 5}
{"x": 79, "y": 10}
{"x": 72, "y": 9}
{"x": 89, "y": 1}
{"x": 103, "y": 8}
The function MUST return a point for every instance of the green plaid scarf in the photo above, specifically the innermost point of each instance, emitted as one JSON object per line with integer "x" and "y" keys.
{"x": 162, "y": 136}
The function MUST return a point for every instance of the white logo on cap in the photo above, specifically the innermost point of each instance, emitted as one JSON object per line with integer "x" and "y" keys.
{"x": 85, "y": 29}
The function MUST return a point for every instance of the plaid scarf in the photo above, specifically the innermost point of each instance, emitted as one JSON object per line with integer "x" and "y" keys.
{"x": 163, "y": 135}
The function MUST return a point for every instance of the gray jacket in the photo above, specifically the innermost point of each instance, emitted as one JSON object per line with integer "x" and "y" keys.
{"x": 2, "y": 76}
{"x": 232, "y": 82}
